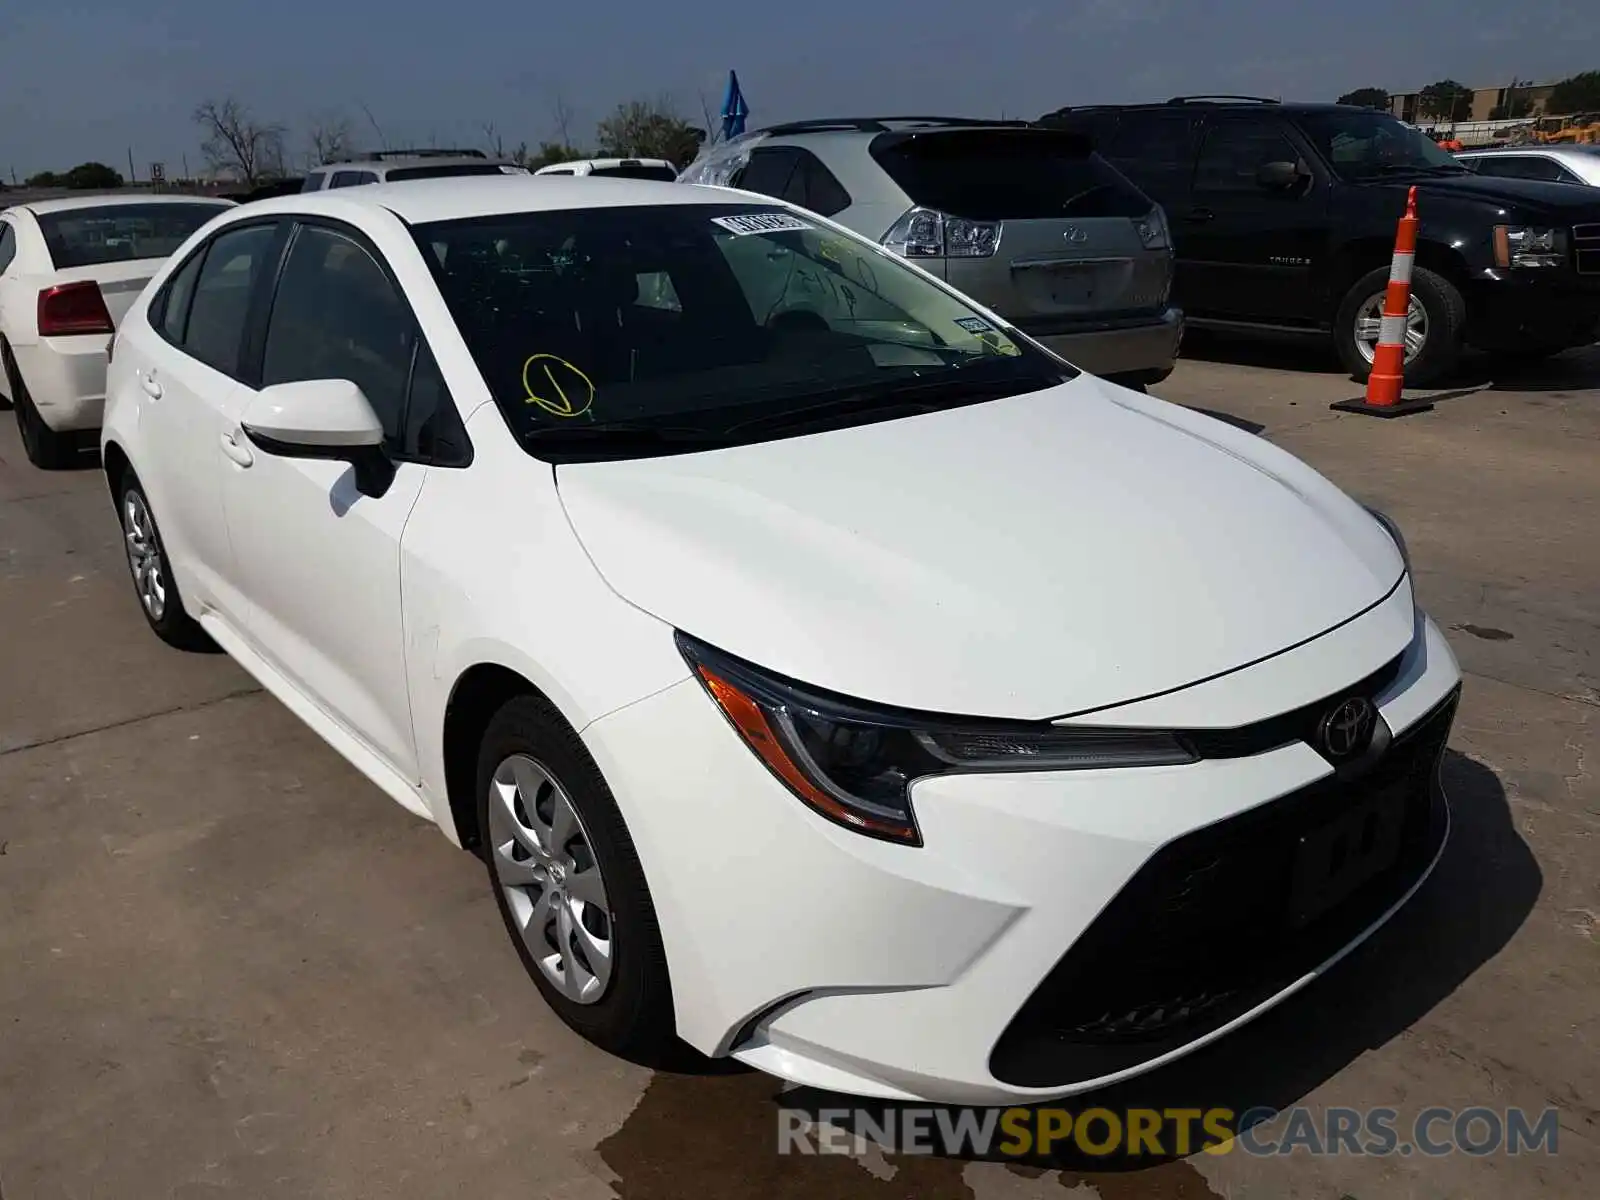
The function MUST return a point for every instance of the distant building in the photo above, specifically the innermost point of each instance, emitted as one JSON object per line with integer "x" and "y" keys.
{"x": 1485, "y": 101}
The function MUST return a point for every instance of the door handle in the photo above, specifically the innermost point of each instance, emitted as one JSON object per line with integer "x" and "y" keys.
{"x": 1199, "y": 214}
{"x": 151, "y": 387}
{"x": 237, "y": 451}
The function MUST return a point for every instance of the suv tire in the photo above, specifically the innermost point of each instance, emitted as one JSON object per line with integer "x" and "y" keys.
{"x": 1446, "y": 314}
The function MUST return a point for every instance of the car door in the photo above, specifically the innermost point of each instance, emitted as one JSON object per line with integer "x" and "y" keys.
{"x": 319, "y": 561}
{"x": 188, "y": 368}
{"x": 1252, "y": 249}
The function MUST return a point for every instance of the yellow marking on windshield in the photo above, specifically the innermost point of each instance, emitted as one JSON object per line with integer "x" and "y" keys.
{"x": 559, "y": 401}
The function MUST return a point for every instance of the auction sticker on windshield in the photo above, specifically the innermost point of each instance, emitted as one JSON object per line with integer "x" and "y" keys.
{"x": 762, "y": 223}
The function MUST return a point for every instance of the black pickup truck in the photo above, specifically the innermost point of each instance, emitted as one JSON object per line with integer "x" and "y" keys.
{"x": 1283, "y": 219}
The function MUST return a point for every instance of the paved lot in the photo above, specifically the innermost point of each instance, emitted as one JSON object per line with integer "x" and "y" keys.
{"x": 228, "y": 965}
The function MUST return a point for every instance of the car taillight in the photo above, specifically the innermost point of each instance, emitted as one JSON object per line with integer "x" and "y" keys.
{"x": 926, "y": 233}
{"x": 73, "y": 308}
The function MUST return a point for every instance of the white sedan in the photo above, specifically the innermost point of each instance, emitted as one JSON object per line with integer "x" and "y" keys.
{"x": 69, "y": 270}
{"x": 827, "y": 675}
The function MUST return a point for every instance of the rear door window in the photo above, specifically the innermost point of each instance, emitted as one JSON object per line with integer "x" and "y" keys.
{"x": 8, "y": 245}
{"x": 314, "y": 181}
{"x": 1007, "y": 174}
{"x": 222, "y": 295}
{"x": 348, "y": 179}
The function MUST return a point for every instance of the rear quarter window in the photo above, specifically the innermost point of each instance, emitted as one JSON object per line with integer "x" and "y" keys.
{"x": 1007, "y": 174}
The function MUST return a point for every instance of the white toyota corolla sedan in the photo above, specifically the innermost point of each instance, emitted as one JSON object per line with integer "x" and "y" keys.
{"x": 828, "y": 676}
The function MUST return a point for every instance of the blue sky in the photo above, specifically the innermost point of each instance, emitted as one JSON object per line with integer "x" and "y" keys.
{"x": 90, "y": 79}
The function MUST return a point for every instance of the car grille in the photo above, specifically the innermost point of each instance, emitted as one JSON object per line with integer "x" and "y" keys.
{"x": 1206, "y": 930}
{"x": 1586, "y": 249}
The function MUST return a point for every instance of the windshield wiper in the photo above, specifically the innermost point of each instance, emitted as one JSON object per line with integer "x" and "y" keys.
{"x": 902, "y": 399}
{"x": 625, "y": 436}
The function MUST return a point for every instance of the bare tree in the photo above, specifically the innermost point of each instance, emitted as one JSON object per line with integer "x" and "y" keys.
{"x": 383, "y": 142}
{"x": 236, "y": 143}
{"x": 332, "y": 139}
{"x": 493, "y": 143}
{"x": 563, "y": 120}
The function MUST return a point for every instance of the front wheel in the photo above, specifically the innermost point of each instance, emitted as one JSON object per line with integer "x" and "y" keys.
{"x": 1434, "y": 320}
{"x": 569, "y": 884}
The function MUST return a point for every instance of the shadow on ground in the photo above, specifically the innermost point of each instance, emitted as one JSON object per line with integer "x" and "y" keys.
{"x": 1573, "y": 370}
{"x": 718, "y": 1137}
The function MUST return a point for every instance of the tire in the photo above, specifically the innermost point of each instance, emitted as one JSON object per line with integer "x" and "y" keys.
{"x": 630, "y": 1012}
{"x": 168, "y": 618}
{"x": 1441, "y": 304}
{"x": 45, "y": 448}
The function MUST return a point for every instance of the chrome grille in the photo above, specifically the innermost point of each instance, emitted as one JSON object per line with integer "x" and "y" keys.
{"x": 1586, "y": 249}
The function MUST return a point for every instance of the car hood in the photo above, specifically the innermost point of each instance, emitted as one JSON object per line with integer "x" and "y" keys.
{"x": 1032, "y": 557}
{"x": 1576, "y": 203}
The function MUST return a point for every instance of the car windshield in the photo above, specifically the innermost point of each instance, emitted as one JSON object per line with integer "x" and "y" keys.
{"x": 87, "y": 237}
{"x": 628, "y": 331}
{"x": 1367, "y": 145}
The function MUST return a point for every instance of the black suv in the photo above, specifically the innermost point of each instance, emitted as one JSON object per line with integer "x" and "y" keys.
{"x": 1283, "y": 218}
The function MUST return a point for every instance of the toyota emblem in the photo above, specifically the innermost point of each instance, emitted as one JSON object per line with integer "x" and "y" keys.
{"x": 1075, "y": 235}
{"x": 1347, "y": 729}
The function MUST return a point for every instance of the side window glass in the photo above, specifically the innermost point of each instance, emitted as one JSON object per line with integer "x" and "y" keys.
{"x": 367, "y": 177}
{"x": 8, "y": 245}
{"x": 1153, "y": 141}
{"x": 222, "y": 293}
{"x": 314, "y": 181}
{"x": 1234, "y": 151}
{"x": 345, "y": 179}
{"x": 813, "y": 186}
{"x": 434, "y": 432}
{"x": 175, "y": 297}
{"x": 767, "y": 172}
{"x": 1566, "y": 176}
{"x": 336, "y": 315}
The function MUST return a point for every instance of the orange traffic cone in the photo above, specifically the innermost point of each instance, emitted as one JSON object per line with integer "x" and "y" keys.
{"x": 1389, "y": 356}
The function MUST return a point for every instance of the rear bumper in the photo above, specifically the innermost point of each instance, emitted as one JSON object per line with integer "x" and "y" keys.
{"x": 1524, "y": 309}
{"x": 1144, "y": 348}
{"x": 66, "y": 379}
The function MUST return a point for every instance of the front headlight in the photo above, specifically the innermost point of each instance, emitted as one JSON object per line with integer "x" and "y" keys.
{"x": 1394, "y": 533}
{"x": 1529, "y": 246}
{"x": 855, "y": 764}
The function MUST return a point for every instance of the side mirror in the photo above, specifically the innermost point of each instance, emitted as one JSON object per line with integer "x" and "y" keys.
{"x": 1279, "y": 176}
{"x": 325, "y": 419}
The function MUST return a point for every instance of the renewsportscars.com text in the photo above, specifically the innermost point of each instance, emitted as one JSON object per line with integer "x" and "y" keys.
{"x": 1171, "y": 1132}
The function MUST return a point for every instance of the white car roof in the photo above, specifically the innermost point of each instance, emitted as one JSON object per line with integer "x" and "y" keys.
{"x": 118, "y": 199}
{"x": 420, "y": 201}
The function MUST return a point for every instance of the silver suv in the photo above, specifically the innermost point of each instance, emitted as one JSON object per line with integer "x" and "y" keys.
{"x": 1028, "y": 221}
{"x": 391, "y": 166}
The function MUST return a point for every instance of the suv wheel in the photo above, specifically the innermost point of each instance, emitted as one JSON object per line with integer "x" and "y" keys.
{"x": 1433, "y": 325}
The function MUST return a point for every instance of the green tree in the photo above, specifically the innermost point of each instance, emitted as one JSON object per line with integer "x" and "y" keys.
{"x": 46, "y": 179}
{"x": 1367, "y": 97}
{"x": 548, "y": 154}
{"x": 642, "y": 130}
{"x": 92, "y": 176}
{"x": 1576, "y": 94}
{"x": 1446, "y": 100}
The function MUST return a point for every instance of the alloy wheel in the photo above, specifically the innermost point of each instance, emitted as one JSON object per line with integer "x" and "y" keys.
{"x": 546, "y": 868}
{"x": 144, "y": 555}
{"x": 1369, "y": 320}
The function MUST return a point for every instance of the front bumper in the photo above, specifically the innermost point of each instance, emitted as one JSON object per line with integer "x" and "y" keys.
{"x": 1056, "y": 932}
{"x": 1507, "y": 310}
{"x": 66, "y": 379}
{"x": 1138, "y": 349}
